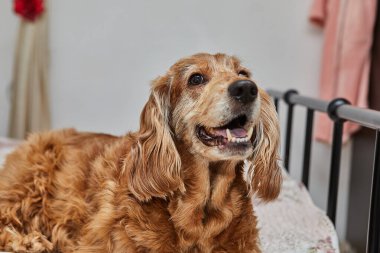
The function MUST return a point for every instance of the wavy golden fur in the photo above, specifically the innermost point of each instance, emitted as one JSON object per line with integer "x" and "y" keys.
{"x": 175, "y": 185}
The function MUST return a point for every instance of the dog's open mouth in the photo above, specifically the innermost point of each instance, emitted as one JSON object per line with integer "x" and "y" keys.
{"x": 233, "y": 133}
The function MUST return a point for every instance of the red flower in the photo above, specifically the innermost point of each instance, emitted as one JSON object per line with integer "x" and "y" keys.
{"x": 29, "y": 9}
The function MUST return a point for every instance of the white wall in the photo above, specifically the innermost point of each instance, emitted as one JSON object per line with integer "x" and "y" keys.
{"x": 104, "y": 54}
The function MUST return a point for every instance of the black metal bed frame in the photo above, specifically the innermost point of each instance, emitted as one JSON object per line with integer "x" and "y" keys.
{"x": 339, "y": 111}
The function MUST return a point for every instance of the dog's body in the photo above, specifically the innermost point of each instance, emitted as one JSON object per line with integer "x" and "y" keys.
{"x": 176, "y": 185}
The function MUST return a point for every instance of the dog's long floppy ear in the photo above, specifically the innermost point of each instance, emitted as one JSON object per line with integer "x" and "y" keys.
{"x": 154, "y": 159}
{"x": 264, "y": 171}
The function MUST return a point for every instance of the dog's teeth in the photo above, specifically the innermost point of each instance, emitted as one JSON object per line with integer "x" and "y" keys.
{"x": 229, "y": 135}
{"x": 239, "y": 140}
{"x": 231, "y": 138}
{"x": 249, "y": 134}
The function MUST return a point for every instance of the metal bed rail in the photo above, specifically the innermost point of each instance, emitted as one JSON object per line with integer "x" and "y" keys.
{"x": 339, "y": 111}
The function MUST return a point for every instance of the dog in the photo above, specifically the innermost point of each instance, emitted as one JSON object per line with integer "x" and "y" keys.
{"x": 177, "y": 184}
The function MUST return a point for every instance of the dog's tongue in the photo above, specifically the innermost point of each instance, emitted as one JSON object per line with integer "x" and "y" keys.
{"x": 236, "y": 132}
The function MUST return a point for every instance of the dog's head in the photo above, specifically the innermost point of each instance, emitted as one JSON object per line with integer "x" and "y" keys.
{"x": 210, "y": 105}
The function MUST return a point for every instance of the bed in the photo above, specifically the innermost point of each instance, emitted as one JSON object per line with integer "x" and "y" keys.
{"x": 339, "y": 111}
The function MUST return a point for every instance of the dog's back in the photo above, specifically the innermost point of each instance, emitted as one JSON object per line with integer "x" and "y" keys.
{"x": 45, "y": 191}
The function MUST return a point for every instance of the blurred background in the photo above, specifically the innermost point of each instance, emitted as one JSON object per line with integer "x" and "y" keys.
{"x": 93, "y": 61}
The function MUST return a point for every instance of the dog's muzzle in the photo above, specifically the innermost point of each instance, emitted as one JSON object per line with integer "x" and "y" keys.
{"x": 234, "y": 133}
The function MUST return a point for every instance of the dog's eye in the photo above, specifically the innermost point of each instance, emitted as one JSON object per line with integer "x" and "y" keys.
{"x": 243, "y": 73}
{"x": 196, "y": 79}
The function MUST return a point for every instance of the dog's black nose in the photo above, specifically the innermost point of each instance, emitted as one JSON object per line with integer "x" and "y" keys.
{"x": 245, "y": 91}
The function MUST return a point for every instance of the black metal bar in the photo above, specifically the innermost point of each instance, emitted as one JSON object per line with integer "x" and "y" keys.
{"x": 335, "y": 156}
{"x": 373, "y": 236}
{"x": 307, "y": 147}
{"x": 288, "y": 137}
{"x": 334, "y": 170}
{"x": 289, "y": 124}
{"x": 276, "y": 103}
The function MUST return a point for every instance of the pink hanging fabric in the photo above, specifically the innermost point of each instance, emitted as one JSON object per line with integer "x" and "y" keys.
{"x": 348, "y": 28}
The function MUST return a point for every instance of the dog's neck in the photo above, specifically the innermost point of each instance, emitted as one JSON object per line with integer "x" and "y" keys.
{"x": 207, "y": 187}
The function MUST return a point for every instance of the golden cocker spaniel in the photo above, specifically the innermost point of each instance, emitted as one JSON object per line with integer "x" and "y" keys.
{"x": 176, "y": 185}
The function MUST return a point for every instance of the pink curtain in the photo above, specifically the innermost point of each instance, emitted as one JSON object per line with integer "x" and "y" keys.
{"x": 348, "y": 28}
